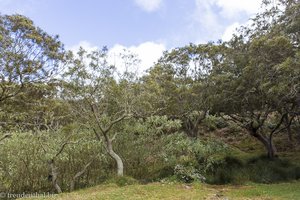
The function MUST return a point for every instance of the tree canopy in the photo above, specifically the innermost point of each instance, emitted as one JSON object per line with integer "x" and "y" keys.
{"x": 70, "y": 115}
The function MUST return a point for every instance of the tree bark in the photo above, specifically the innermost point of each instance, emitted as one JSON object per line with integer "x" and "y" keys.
{"x": 116, "y": 157}
{"x": 288, "y": 128}
{"x": 54, "y": 175}
{"x": 77, "y": 175}
{"x": 191, "y": 126}
{"x": 267, "y": 142}
{"x": 271, "y": 149}
{"x": 110, "y": 150}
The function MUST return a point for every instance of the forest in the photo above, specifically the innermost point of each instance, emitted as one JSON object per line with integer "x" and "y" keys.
{"x": 219, "y": 113}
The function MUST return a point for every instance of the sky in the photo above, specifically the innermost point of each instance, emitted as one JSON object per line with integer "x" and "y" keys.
{"x": 144, "y": 27}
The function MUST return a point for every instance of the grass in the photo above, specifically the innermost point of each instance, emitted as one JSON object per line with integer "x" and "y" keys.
{"x": 263, "y": 191}
{"x": 178, "y": 191}
{"x": 149, "y": 191}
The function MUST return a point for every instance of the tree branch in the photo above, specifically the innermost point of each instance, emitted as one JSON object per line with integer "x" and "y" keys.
{"x": 5, "y": 136}
{"x": 62, "y": 148}
{"x": 114, "y": 122}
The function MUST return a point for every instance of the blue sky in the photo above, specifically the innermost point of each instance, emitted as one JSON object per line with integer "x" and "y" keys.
{"x": 145, "y": 27}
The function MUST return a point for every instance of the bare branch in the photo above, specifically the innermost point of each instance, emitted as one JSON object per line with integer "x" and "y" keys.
{"x": 78, "y": 174}
{"x": 97, "y": 135}
{"x": 114, "y": 122}
{"x": 114, "y": 136}
{"x": 62, "y": 148}
{"x": 5, "y": 136}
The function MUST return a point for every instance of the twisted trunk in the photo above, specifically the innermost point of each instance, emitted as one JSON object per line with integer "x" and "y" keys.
{"x": 77, "y": 175}
{"x": 110, "y": 150}
{"x": 267, "y": 142}
{"x": 116, "y": 157}
{"x": 288, "y": 122}
{"x": 54, "y": 175}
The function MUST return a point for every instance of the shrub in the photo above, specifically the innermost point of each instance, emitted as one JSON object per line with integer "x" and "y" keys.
{"x": 259, "y": 169}
{"x": 24, "y": 161}
{"x": 264, "y": 170}
{"x": 227, "y": 170}
{"x": 188, "y": 174}
{"x": 151, "y": 147}
{"x": 212, "y": 123}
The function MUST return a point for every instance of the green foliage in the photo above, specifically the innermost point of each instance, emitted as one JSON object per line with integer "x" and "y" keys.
{"x": 188, "y": 174}
{"x": 258, "y": 169}
{"x": 28, "y": 55}
{"x": 228, "y": 170}
{"x": 257, "y": 84}
{"x": 153, "y": 148}
{"x": 152, "y": 123}
{"x": 24, "y": 167}
{"x": 212, "y": 123}
{"x": 272, "y": 171}
{"x": 209, "y": 155}
{"x": 150, "y": 147}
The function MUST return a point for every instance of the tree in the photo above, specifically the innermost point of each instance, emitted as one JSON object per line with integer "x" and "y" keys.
{"x": 28, "y": 55}
{"x": 258, "y": 82}
{"x": 176, "y": 86}
{"x": 29, "y": 60}
{"x": 98, "y": 99}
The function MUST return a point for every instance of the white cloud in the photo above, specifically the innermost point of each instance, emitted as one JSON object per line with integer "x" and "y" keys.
{"x": 85, "y": 45}
{"x": 204, "y": 23}
{"x": 233, "y": 8}
{"x": 216, "y": 19}
{"x": 229, "y": 31}
{"x": 149, "y": 5}
{"x": 148, "y": 53}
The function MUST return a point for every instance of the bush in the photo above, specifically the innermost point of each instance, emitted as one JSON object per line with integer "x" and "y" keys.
{"x": 264, "y": 170}
{"x": 209, "y": 155}
{"x": 151, "y": 147}
{"x": 227, "y": 170}
{"x": 212, "y": 123}
{"x": 188, "y": 174}
{"x": 297, "y": 173}
{"x": 24, "y": 161}
{"x": 259, "y": 169}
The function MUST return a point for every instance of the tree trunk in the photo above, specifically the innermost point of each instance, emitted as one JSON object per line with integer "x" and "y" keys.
{"x": 290, "y": 137}
{"x": 267, "y": 142}
{"x": 190, "y": 128}
{"x": 77, "y": 175}
{"x": 288, "y": 128}
{"x": 72, "y": 185}
{"x": 109, "y": 147}
{"x": 54, "y": 175}
{"x": 116, "y": 157}
{"x": 271, "y": 150}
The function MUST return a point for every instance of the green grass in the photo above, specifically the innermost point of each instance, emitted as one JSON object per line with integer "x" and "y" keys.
{"x": 178, "y": 191}
{"x": 263, "y": 191}
{"x": 150, "y": 191}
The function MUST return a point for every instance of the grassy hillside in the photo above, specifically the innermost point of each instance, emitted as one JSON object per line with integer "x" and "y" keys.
{"x": 179, "y": 191}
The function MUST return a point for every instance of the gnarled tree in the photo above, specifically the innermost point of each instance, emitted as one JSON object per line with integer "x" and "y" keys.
{"x": 99, "y": 100}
